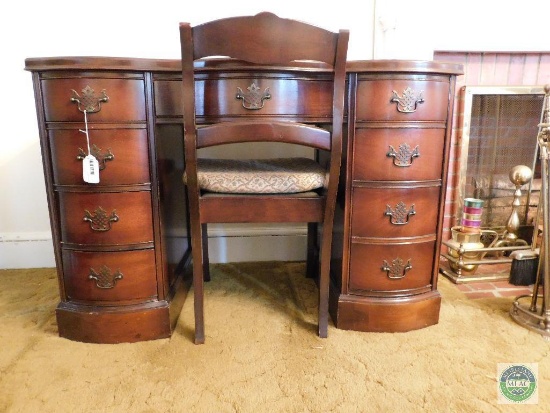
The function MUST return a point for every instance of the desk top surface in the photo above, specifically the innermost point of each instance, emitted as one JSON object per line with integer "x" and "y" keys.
{"x": 173, "y": 65}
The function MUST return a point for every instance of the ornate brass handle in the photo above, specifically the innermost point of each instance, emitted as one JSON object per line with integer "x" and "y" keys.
{"x": 99, "y": 221}
{"x": 404, "y": 156}
{"x": 254, "y": 99}
{"x": 408, "y": 102}
{"x": 96, "y": 152}
{"x": 88, "y": 101}
{"x": 104, "y": 279}
{"x": 397, "y": 269}
{"x": 399, "y": 216}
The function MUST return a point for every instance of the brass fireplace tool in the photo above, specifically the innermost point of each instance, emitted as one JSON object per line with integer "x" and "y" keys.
{"x": 467, "y": 249}
{"x": 533, "y": 311}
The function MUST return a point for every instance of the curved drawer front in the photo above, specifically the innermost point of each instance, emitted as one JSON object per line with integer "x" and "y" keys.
{"x": 394, "y": 212}
{"x": 122, "y": 155}
{"x": 110, "y": 276}
{"x": 402, "y": 99}
{"x": 398, "y": 154}
{"x": 106, "y": 218}
{"x": 106, "y": 100}
{"x": 391, "y": 267}
{"x": 250, "y": 96}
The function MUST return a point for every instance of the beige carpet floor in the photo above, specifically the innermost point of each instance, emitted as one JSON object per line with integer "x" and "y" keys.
{"x": 262, "y": 355}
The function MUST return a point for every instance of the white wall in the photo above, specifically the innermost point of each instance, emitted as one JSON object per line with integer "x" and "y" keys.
{"x": 379, "y": 29}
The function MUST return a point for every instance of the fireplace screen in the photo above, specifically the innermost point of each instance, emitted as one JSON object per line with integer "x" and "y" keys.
{"x": 499, "y": 131}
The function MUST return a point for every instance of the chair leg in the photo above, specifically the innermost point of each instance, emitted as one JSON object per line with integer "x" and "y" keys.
{"x": 205, "y": 258}
{"x": 312, "y": 263}
{"x": 324, "y": 280}
{"x": 198, "y": 282}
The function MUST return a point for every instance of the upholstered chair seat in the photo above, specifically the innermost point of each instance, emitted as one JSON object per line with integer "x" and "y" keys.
{"x": 259, "y": 176}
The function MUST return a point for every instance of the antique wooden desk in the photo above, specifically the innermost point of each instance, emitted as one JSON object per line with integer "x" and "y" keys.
{"x": 121, "y": 246}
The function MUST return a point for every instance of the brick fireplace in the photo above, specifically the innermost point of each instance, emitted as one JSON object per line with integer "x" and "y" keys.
{"x": 486, "y": 69}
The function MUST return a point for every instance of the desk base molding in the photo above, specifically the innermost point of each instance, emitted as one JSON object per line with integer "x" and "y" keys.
{"x": 390, "y": 315}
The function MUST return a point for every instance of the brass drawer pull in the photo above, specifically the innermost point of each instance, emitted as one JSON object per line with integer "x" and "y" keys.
{"x": 99, "y": 221}
{"x": 88, "y": 101}
{"x": 96, "y": 152}
{"x": 104, "y": 279}
{"x": 254, "y": 99}
{"x": 404, "y": 156}
{"x": 400, "y": 215}
{"x": 408, "y": 102}
{"x": 397, "y": 269}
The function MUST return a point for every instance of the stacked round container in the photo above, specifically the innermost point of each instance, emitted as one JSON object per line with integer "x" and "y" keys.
{"x": 471, "y": 216}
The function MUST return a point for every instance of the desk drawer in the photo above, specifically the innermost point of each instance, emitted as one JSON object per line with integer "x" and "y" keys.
{"x": 106, "y": 218}
{"x": 398, "y": 154}
{"x": 126, "y": 99}
{"x": 394, "y": 212}
{"x": 391, "y": 267}
{"x": 122, "y": 155}
{"x": 110, "y": 276}
{"x": 394, "y": 99}
{"x": 216, "y": 98}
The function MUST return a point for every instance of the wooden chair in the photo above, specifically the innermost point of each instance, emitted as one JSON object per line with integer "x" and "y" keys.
{"x": 311, "y": 63}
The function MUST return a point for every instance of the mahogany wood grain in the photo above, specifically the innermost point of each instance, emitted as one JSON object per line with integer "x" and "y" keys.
{"x": 129, "y": 148}
{"x": 376, "y": 98}
{"x": 384, "y": 314}
{"x": 367, "y": 262}
{"x": 372, "y": 145}
{"x": 263, "y": 131}
{"x": 306, "y": 94}
{"x": 369, "y": 206}
{"x": 398, "y": 141}
{"x": 145, "y": 95}
{"x": 133, "y": 225}
{"x": 138, "y": 280}
{"x": 267, "y": 208}
{"x": 113, "y": 325}
{"x": 126, "y": 99}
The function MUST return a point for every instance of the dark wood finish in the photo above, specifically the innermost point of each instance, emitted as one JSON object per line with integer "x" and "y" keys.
{"x": 113, "y": 325}
{"x": 149, "y": 130}
{"x": 371, "y": 160}
{"x": 132, "y": 208}
{"x": 379, "y": 313}
{"x": 136, "y": 268}
{"x": 369, "y": 205}
{"x": 126, "y": 98}
{"x": 376, "y": 105}
{"x": 128, "y": 147}
{"x": 121, "y": 275}
{"x": 393, "y": 191}
{"x": 269, "y": 41}
{"x": 368, "y": 276}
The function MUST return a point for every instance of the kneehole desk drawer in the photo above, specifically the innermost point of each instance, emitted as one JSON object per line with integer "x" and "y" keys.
{"x": 398, "y": 154}
{"x": 123, "y": 156}
{"x": 106, "y": 218}
{"x": 110, "y": 276}
{"x": 413, "y": 98}
{"x": 397, "y": 267}
{"x": 394, "y": 212}
{"x": 105, "y": 99}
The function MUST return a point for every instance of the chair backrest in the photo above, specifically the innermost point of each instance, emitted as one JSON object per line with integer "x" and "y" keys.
{"x": 264, "y": 40}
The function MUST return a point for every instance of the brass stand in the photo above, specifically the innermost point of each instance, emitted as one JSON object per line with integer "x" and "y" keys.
{"x": 532, "y": 311}
{"x": 462, "y": 267}
{"x": 461, "y": 275}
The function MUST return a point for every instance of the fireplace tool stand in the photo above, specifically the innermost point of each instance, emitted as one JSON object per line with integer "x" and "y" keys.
{"x": 533, "y": 311}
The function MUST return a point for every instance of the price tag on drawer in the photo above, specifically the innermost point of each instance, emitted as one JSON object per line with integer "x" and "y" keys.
{"x": 90, "y": 165}
{"x": 90, "y": 169}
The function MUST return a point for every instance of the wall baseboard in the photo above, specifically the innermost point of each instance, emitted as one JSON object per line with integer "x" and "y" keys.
{"x": 26, "y": 250}
{"x": 226, "y": 244}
